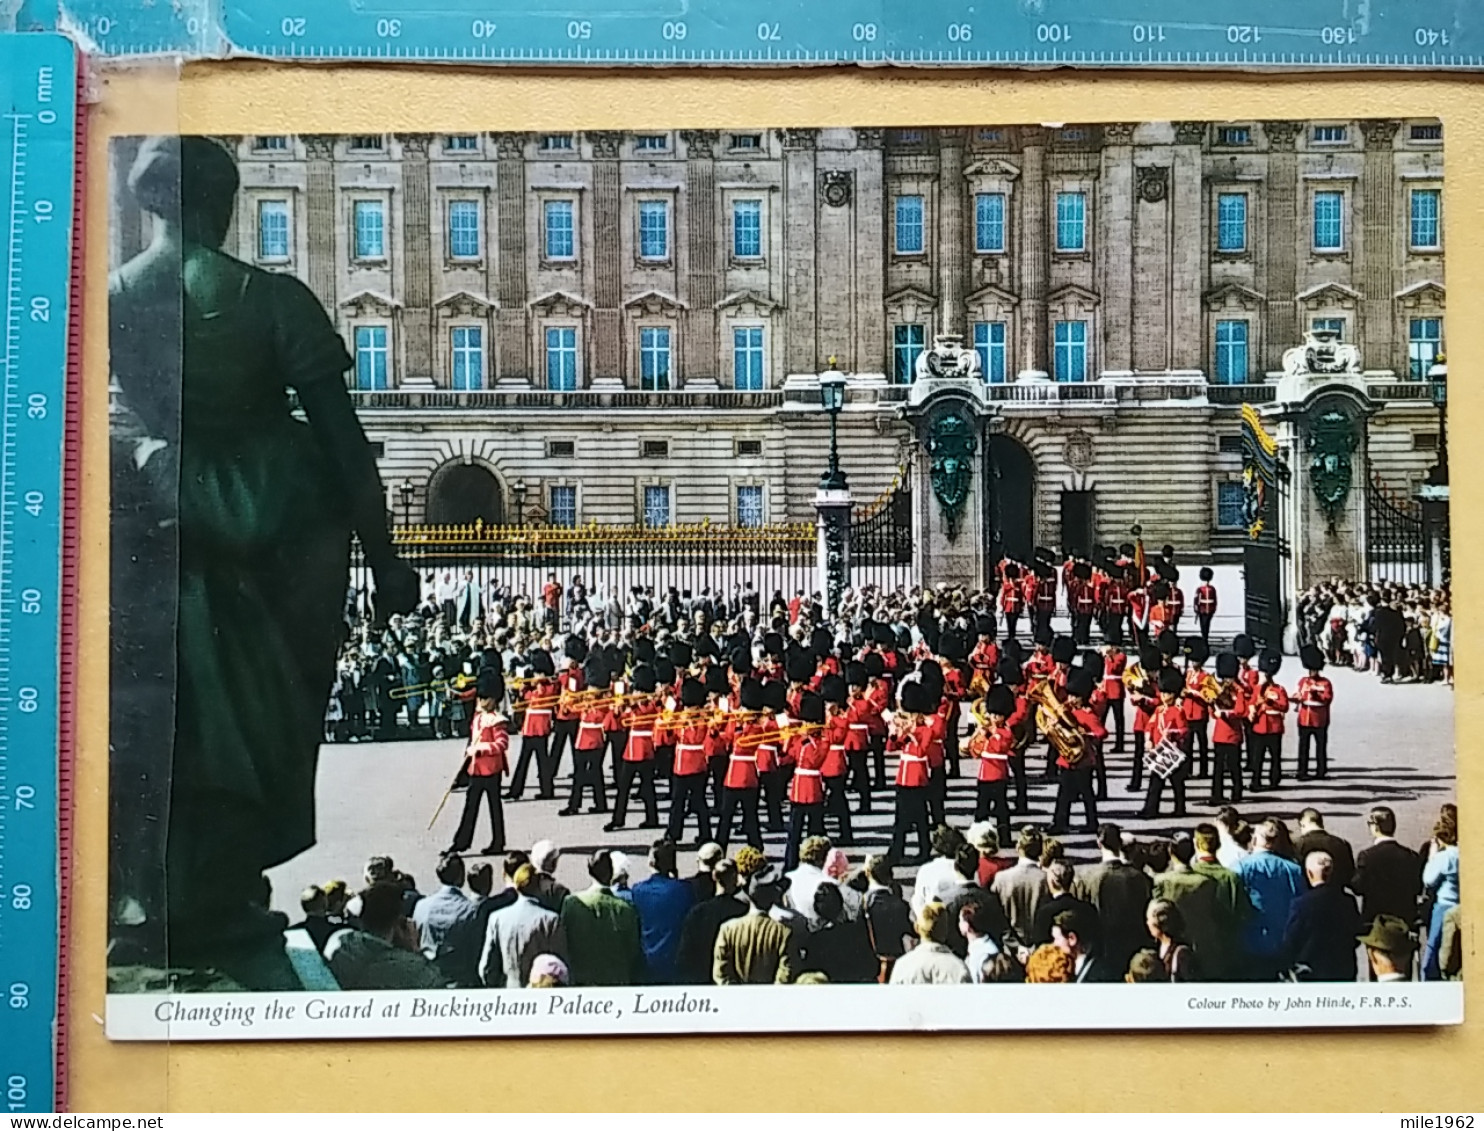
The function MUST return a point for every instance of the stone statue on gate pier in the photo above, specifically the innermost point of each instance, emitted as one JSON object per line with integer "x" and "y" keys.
{"x": 948, "y": 357}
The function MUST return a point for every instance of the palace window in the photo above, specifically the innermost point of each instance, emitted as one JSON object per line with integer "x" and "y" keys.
{"x": 1330, "y": 135}
{"x": 749, "y": 447}
{"x": 745, "y": 141}
{"x": 1336, "y": 325}
{"x": 463, "y": 229}
{"x": 656, "y": 505}
{"x": 654, "y": 229}
{"x": 747, "y": 358}
{"x": 989, "y": 343}
{"x": 561, "y": 449}
{"x": 1071, "y": 221}
{"x": 1426, "y": 206}
{"x": 273, "y": 230}
{"x": 747, "y": 229}
{"x": 651, "y": 143}
{"x": 1424, "y": 343}
{"x": 907, "y": 341}
{"x": 365, "y": 143}
{"x": 749, "y": 505}
{"x": 468, "y": 357}
{"x": 1432, "y": 131}
{"x": 989, "y": 222}
{"x": 1231, "y": 221}
{"x": 271, "y": 143}
{"x": 1071, "y": 351}
{"x": 561, "y": 358}
{"x": 654, "y": 449}
{"x": 556, "y": 143}
{"x": 1231, "y": 352}
{"x": 461, "y": 143}
{"x": 1234, "y": 135}
{"x": 1329, "y": 221}
{"x": 561, "y": 241}
{"x": 989, "y": 136}
{"x": 654, "y": 357}
{"x": 1230, "y": 506}
{"x": 910, "y": 238}
{"x": 373, "y": 358}
{"x": 563, "y": 506}
{"x": 370, "y": 229}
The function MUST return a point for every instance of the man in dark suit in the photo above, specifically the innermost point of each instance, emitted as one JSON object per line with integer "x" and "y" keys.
{"x": 1388, "y": 874}
{"x": 1387, "y": 628}
{"x": 1060, "y": 878}
{"x": 1323, "y": 924}
{"x": 1070, "y": 933}
{"x": 1121, "y": 894}
{"x": 1314, "y": 837}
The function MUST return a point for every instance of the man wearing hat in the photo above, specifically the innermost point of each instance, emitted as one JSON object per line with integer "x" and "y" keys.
{"x": 1269, "y": 711}
{"x": 1228, "y": 715}
{"x": 1195, "y": 704}
{"x": 1012, "y": 598}
{"x": 1075, "y": 768}
{"x": 1167, "y": 726}
{"x": 1114, "y": 601}
{"x": 859, "y": 713}
{"x": 1205, "y": 603}
{"x": 1115, "y": 661}
{"x": 637, "y": 760}
{"x": 688, "y": 736}
{"x": 595, "y": 719}
{"x": 1082, "y": 601}
{"x": 774, "y": 770}
{"x": 484, "y": 761}
{"x": 1315, "y": 694}
{"x": 538, "y": 696}
{"x": 910, "y": 738}
{"x": 806, "y": 790}
{"x": 1388, "y": 947}
{"x": 746, "y": 761}
{"x": 569, "y": 683}
{"x": 1142, "y": 682}
{"x": 992, "y": 746}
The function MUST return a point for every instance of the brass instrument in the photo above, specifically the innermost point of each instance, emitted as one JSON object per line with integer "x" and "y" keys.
{"x": 782, "y": 734}
{"x": 1056, "y": 722}
{"x": 1226, "y": 697}
{"x": 1207, "y": 690}
{"x": 460, "y": 682}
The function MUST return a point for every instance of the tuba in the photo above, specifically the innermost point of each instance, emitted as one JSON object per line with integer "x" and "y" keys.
{"x": 1066, "y": 736}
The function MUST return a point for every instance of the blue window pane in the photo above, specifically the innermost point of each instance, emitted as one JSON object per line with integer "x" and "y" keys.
{"x": 1231, "y": 221}
{"x": 273, "y": 229}
{"x": 1231, "y": 353}
{"x": 747, "y": 229}
{"x": 370, "y": 224}
{"x": 372, "y": 360}
{"x": 1424, "y": 343}
{"x": 989, "y": 222}
{"x": 461, "y": 143}
{"x": 1329, "y": 223}
{"x": 749, "y": 506}
{"x": 907, "y": 341}
{"x": 463, "y": 229}
{"x": 747, "y": 357}
{"x": 652, "y": 143}
{"x": 561, "y": 358}
{"x": 910, "y": 237}
{"x": 1330, "y": 135}
{"x": 1071, "y": 221}
{"x": 560, "y": 234}
{"x": 656, "y": 506}
{"x": 468, "y": 357}
{"x": 654, "y": 229}
{"x": 989, "y": 343}
{"x": 564, "y": 506}
{"x": 1071, "y": 351}
{"x": 1230, "y": 504}
{"x": 1337, "y": 325}
{"x": 654, "y": 357}
{"x": 1425, "y": 228}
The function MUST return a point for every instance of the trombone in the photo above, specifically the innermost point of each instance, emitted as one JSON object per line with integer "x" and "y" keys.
{"x": 459, "y": 682}
{"x": 773, "y": 737}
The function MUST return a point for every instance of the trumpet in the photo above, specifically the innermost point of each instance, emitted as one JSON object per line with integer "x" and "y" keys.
{"x": 459, "y": 682}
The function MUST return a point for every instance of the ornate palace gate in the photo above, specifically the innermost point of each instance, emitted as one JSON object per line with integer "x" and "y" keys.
{"x": 882, "y": 550}
{"x": 1397, "y": 544}
{"x": 1266, "y": 483}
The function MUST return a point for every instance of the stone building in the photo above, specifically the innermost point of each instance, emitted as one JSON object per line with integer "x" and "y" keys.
{"x": 628, "y": 327}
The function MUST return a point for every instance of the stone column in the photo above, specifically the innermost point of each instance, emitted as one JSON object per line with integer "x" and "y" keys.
{"x": 1116, "y": 207}
{"x": 607, "y": 352}
{"x": 1378, "y": 278}
{"x": 417, "y": 261}
{"x": 512, "y": 336}
{"x": 833, "y": 544}
{"x": 320, "y": 225}
{"x": 1283, "y": 227}
{"x": 800, "y": 269}
{"x": 1188, "y": 245}
{"x": 1035, "y": 251}
{"x": 698, "y": 347}
{"x": 867, "y": 351}
{"x": 952, "y": 241}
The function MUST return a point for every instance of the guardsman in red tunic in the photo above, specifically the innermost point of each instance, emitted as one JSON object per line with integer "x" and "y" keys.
{"x": 953, "y": 651}
{"x": 718, "y": 689}
{"x": 1245, "y": 650}
{"x": 594, "y": 722}
{"x": 742, "y": 784}
{"x": 1315, "y": 694}
{"x": 809, "y": 749}
{"x": 642, "y": 719}
{"x": 993, "y": 746}
{"x": 1167, "y": 725}
{"x": 878, "y": 692}
{"x": 1077, "y": 765}
{"x": 570, "y": 682}
{"x": 772, "y": 767}
{"x": 1115, "y": 604}
{"x": 1063, "y": 652}
{"x": 1045, "y": 602}
{"x": 1194, "y": 703}
{"x": 1228, "y": 730}
{"x": 1205, "y": 603}
{"x": 910, "y": 737}
{"x": 1022, "y": 725}
{"x": 689, "y": 735}
{"x": 836, "y": 766}
{"x": 1141, "y": 680}
{"x": 985, "y": 657}
{"x": 1082, "y": 602}
{"x": 1114, "y": 662}
{"x": 539, "y": 704}
{"x": 1269, "y": 713}
{"x": 931, "y": 678}
{"x": 858, "y": 714}
{"x": 485, "y": 761}
{"x": 1012, "y": 598}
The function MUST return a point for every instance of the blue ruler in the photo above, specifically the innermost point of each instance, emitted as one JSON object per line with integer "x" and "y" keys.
{"x": 1411, "y": 34}
{"x": 38, "y": 100}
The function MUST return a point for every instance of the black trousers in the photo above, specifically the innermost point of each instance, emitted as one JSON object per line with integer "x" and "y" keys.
{"x": 537, "y": 748}
{"x": 1082, "y": 628}
{"x": 1136, "y": 782}
{"x": 688, "y": 795}
{"x": 1011, "y": 620}
{"x": 1269, "y": 750}
{"x": 563, "y": 734}
{"x": 1074, "y": 785}
{"x": 803, "y": 820}
{"x": 716, "y": 773}
{"x": 878, "y": 761}
{"x": 937, "y": 791}
{"x": 1205, "y": 621}
{"x": 587, "y": 770}
{"x": 1100, "y": 776}
{"x": 837, "y": 805}
{"x": 628, "y": 774}
{"x": 488, "y": 788}
{"x": 775, "y": 788}
{"x": 618, "y": 740}
{"x": 1017, "y": 771}
{"x": 911, "y": 813}
{"x": 1250, "y": 746}
{"x": 731, "y": 801}
{"x": 1318, "y": 737}
{"x": 1041, "y": 618}
{"x": 950, "y": 741}
{"x": 1227, "y": 765}
{"x": 1196, "y": 743}
{"x": 993, "y": 797}
{"x": 1176, "y": 782}
{"x": 860, "y": 778}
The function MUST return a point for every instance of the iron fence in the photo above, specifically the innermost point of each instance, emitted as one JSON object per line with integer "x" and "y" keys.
{"x": 1396, "y": 536}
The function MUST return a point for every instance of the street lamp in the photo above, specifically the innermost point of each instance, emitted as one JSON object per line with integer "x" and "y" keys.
{"x": 405, "y": 491}
{"x": 518, "y": 489}
{"x": 1438, "y": 375}
{"x": 832, "y": 396}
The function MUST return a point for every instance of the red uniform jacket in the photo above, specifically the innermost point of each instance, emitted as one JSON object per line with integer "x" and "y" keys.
{"x": 807, "y": 785}
{"x": 1113, "y": 664}
{"x": 1251, "y": 679}
{"x": 1088, "y": 720}
{"x": 1193, "y": 704}
{"x": 993, "y": 747}
{"x": 1167, "y": 723}
{"x": 640, "y": 719}
{"x": 912, "y": 757}
{"x": 690, "y": 749}
{"x": 1315, "y": 694}
{"x": 1030, "y": 588}
{"x": 836, "y": 730}
{"x": 1138, "y": 607}
{"x": 1205, "y": 600}
{"x": 954, "y": 686}
{"x": 985, "y": 658}
{"x": 1227, "y": 728}
{"x": 1011, "y": 600}
{"x": 490, "y": 742}
{"x": 857, "y": 719}
{"x": 538, "y": 719}
{"x": 1081, "y": 597}
{"x": 1143, "y": 701}
{"x": 879, "y": 694}
{"x": 1269, "y": 709}
{"x": 743, "y": 762}
{"x": 1040, "y": 663}
{"x": 1115, "y": 597}
{"x": 1046, "y": 594}
{"x": 572, "y": 681}
{"x": 1176, "y": 602}
{"x": 592, "y": 731}
{"x": 937, "y": 727}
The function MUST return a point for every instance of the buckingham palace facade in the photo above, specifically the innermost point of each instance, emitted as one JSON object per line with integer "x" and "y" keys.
{"x": 629, "y": 327}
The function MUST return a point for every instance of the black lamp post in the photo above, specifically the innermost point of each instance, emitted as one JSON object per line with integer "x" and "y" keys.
{"x": 518, "y": 489}
{"x": 405, "y": 491}
{"x": 832, "y": 396}
{"x": 1438, "y": 375}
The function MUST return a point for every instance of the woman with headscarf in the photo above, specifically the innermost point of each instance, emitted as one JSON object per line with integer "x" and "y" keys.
{"x": 258, "y": 508}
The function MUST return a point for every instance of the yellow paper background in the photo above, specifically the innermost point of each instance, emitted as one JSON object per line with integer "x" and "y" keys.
{"x": 1438, "y": 1070}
